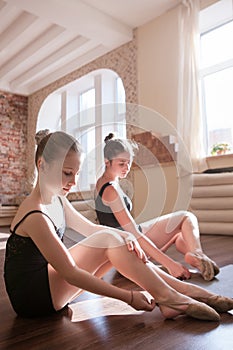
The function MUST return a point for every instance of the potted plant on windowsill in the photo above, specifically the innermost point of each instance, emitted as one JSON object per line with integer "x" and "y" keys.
{"x": 220, "y": 148}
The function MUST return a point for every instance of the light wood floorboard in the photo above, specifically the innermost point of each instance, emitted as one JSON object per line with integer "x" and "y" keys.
{"x": 102, "y": 323}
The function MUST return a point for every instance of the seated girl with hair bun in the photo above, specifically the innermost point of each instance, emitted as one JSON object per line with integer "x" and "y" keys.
{"x": 42, "y": 276}
{"x": 113, "y": 209}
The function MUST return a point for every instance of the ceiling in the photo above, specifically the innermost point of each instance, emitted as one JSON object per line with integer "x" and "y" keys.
{"x": 41, "y": 41}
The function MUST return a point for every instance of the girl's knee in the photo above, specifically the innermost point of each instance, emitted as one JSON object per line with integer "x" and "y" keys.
{"x": 114, "y": 239}
{"x": 190, "y": 217}
{"x": 186, "y": 215}
{"x": 104, "y": 239}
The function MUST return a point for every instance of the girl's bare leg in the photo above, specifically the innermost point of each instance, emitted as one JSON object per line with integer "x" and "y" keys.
{"x": 218, "y": 302}
{"x": 185, "y": 288}
{"x": 181, "y": 228}
{"x": 87, "y": 258}
{"x": 128, "y": 264}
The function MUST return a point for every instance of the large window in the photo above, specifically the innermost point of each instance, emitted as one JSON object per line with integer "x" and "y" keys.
{"x": 217, "y": 86}
{"x": 88, "y": 109}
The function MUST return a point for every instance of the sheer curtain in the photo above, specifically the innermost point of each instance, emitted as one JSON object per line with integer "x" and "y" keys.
{"x": 189, "y": 120}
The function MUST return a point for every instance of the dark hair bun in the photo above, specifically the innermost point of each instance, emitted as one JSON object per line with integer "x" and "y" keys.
{"x": 109, "y": 137}
{"x": 40, "y": 135}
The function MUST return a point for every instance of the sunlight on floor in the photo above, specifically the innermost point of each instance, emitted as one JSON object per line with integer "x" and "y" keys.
{"x": 3, "y": 239}
{"x": 99, "y": 307}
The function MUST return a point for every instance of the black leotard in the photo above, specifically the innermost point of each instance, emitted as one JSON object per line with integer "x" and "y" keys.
{"x": 104, "y": 212}
{"x": 26, "y": 274}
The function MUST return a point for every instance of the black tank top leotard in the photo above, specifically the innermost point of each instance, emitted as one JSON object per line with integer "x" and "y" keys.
{"x": 26, "y": 274}
{"x": 104, "y": 212}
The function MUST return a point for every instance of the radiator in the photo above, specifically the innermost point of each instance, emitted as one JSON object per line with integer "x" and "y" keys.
{"x": 212, "y": 202}
{"x": 86, "y": 208}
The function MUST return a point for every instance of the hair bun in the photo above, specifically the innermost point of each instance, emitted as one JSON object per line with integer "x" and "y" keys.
{"x": 40, "y": 135}
{"x": 109, "y": 137}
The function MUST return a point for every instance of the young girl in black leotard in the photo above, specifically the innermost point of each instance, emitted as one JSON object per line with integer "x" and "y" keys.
{"x": 42, "y": 276}
{"x": 179, "y": 228}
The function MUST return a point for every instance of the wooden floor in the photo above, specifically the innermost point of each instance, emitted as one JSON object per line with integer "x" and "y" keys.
{"x": 102, "y": 323}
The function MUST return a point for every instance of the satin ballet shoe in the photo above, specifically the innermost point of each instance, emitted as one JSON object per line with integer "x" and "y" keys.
{"x": 218, "y": 302}
{"x": 196, "y": 310}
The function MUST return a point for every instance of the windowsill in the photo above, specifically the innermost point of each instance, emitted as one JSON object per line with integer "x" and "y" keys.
{"x": 80, "y": 196}
{"x": 220, "y": 161}
{"x": 220, "y": 156}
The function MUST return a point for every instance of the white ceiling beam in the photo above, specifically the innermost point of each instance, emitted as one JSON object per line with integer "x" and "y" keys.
{"x": 8, "y": 15}
{"x": 66, "y": 69}
{"x": 18, "y": 26}
{"x": 51, "y": 62}
{"x": 2, "y": 4}
{"x": 206, "y": 3}
{"x": 99, "y": 25}
{"x": 31, "y": 49}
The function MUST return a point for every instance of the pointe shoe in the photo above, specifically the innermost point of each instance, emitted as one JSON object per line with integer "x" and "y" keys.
{"x": 196, "y": 310}
{"x": 218, "y": 302}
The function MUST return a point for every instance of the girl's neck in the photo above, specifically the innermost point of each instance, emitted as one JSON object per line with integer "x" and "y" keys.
{"x": 107, "y": 177}
{"x": 42, "y": 195}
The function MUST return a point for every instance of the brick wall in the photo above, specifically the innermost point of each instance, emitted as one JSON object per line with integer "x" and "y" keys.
{"x": 153, "y": 148}
{"x": 13, "y": 142}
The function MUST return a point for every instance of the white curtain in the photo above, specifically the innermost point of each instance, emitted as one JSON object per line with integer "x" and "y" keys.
{"x": 189, "y": 121}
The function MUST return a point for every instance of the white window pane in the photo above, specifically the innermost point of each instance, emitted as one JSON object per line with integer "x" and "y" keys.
{"x": 72, "y": 105}
{"x": 50, "y": 113}
{"x": 219, "y": 106}
{"x": 217, "y": 45}
{"x": 71, "y": 113}
{"x": 121, "y": 107}
{"x": 87, "y": 110}
{"x": 87, "y": 175}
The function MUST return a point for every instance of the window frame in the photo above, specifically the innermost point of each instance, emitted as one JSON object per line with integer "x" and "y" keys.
{"x": 205, "y": 72}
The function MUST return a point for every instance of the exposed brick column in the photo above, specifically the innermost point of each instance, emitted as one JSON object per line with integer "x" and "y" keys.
{"x": 13, "y": 145}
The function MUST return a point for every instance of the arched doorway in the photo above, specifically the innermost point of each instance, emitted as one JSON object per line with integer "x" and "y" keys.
{"x": 88, "y": 108}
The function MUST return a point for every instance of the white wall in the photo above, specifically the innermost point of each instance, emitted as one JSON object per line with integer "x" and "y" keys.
{"x": 157, "y": 66}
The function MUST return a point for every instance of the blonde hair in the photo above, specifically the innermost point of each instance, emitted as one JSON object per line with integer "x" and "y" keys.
{"x": 54, "y": 145}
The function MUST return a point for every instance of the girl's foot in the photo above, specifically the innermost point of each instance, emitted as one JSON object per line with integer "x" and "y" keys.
{"x": 193, "y": 309}
{"x": 205, "y": 265}
{"x": 218, "y": 302}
